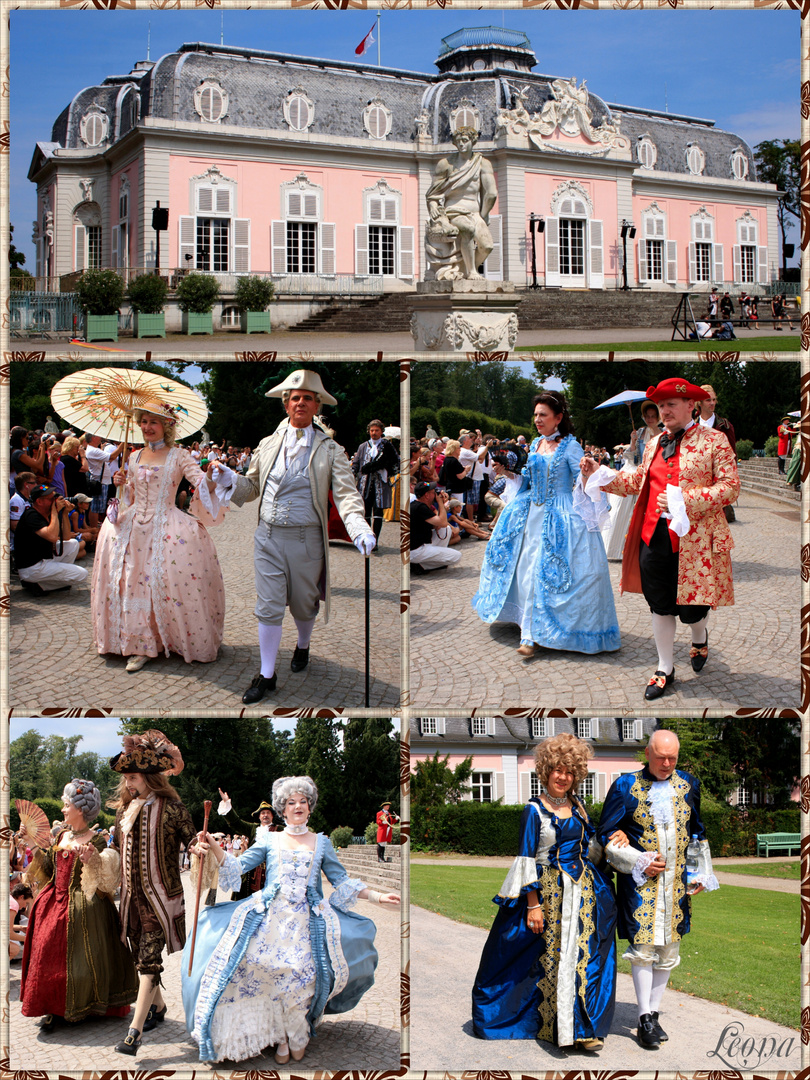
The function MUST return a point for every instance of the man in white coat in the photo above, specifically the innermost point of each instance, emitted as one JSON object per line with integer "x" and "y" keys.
{"x": 291, "y": 473}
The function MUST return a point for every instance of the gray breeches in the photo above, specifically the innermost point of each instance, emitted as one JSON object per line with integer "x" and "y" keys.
{"x": 289, "y": 564}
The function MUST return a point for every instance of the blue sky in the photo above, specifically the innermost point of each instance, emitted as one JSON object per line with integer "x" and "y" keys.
{"x": 738, "y": 68}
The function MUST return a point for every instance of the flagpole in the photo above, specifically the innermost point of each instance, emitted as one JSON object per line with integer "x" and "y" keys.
{"x": 379, "y": 64}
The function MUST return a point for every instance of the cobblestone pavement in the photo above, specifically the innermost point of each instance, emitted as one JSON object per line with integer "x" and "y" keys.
{"x": 57, "y": 627}
{"x": 368, "y": 1037}
{"x": 456, "y": 660}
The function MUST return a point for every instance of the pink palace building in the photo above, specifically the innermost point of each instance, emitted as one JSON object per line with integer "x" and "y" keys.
{"x": 315, "y": 172}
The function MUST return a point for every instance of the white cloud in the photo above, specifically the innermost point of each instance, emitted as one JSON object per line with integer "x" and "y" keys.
{"x": 775, "y": 120}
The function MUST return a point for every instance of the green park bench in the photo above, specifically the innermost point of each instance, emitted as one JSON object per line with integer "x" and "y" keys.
{"x": 778, "y": 841}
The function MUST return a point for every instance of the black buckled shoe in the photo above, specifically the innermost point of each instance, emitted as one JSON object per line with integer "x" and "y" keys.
{"x": 300, "y": 659}
{"x": 657, "y": 685}
{"x": 154, "y": 1017}
{"x": 47, "y": 1023}
{"x": 647, "y": 1035}
{"x": 699, "y": 654}
{"x": 659, "y": 1031}
{"x": 130, "y": 1044}
{"x": 258, "y": 688}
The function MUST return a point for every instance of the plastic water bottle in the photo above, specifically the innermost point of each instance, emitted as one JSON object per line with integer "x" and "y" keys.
{"x": 692, "y": 863}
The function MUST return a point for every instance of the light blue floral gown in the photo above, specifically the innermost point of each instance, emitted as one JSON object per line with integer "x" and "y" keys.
{"x": 267, "y": 967}
{"x": 543, "y": 568}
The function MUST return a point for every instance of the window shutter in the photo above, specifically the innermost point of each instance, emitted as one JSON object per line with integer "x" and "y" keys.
{"x": 600, "y": 787}
{"x": 278, "y": 246}
{"x": 493, "y": 267}
{"x": 659, "y": 228}
{"x": 597, "y": 275}
{"x": 295, "y": 110}
{"x": 241, "y": 246}
{"x": 762, "y": 266}
{"x": 205, "y": 199}
{"x": 114, "y": 246}
{"x": 595, "y": 728}
{"x": 638, "y": 726}
{"x": 294, "y": 204}
{"x": 736, "y": 258}
{"x": 672, "y": 261}
{"x": 552, "y": 235}
{"x": 361, "y": 250}
{"x": 81, "y": 247}
{"x": 692, "y": 264}
{"x": 186, "y": 226}
{"x": 440, "y": 725}
{"x": 223, "y": 200}
{"x": 497, "y": 786}
{"x": 407, "y": 268}
{"x": 525, "y": 791}
{"x": 327, "y": 245}
{"x": 490, "y": 725}
{"x": 375, "y": 209}
{"x": 642, "y": 261}
{"x": 310, "y": 206}
{"x": 719, "y": 272}
{"x": 391, "y": 215}
{"x": 550, "y": 727}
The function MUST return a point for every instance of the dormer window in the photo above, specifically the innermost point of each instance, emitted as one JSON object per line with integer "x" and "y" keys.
{"x": 377, "y": 119}
{"x": 94, "y": 126}
{"x": 210, "y": 101}
{"x": 299, "y": 110}
{"x": 739, "y": 163}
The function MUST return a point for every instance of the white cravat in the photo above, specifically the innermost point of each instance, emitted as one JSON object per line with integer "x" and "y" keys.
{"x": 709, "y": 422}
{"x": 296, "y": 441}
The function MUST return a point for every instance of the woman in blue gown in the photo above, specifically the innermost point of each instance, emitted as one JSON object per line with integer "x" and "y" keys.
{"x": 548, "y": 969}
{"x": 545, "y": 567}
{"x": 266, "y": 968}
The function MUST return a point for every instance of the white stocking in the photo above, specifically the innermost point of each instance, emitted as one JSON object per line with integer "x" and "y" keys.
{"x": 660, "y": 977}
{"x": 699, "y": 631}
{"x": 304, "y": 632}
{"x": 664, "y": 627}
{"x": 269, "y": 641}
{"x": 642, "y": 982}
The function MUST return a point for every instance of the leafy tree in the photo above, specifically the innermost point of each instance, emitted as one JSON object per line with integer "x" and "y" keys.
{"x": 26, "y": 757}
{"x": 765, "y": 755}
{"x": 16, "y": 258}
{"x": 370, "y": 764}
{"x": 704, "y": 755}
{"x": 495, "y": 389}
{"x": 315, "y": 751}
{"x": 433, "y": 783}
{"x": 778, "y": 162}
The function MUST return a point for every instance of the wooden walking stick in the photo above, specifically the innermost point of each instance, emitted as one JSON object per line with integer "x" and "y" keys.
{"x": 207, "y": 805}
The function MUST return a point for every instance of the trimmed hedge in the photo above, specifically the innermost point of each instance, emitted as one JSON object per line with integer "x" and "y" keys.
{"x": 745, "y": 449}
{"x": 472, "y": 828}
{"x": 53, "y": 810}
{"x": 450, "y": 420}
{"x": 341, "y": 836}
{"x": 371, "y": 833}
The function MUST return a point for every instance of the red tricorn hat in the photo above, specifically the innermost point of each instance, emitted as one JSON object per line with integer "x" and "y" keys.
{"x": 672, "y": 388}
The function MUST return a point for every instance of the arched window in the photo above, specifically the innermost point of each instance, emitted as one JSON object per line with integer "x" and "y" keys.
{"x": 299, "y": 110}
{"x": 695, "y": 159}
{"x": 211, "y": 101}
{"x": 465, "y": 114}
{"x": 94, "y": 126}
{"x": 739, "y": 163}
{"x": 377, "y": 119}
{"x": 647, "y": 152}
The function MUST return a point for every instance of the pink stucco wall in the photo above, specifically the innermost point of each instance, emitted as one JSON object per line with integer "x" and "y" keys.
{"x": 133, "y": 171}
{"x": 602, "y": 193}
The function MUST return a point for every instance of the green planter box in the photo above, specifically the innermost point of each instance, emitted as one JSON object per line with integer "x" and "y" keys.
{"x": 255, "y": 322}
{"x": 198, "y": 322}
{"x": 101, "y": 327}
{"x": 150, "y": 324}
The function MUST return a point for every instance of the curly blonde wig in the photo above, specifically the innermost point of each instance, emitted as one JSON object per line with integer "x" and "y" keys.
{"x": 562, "y": 751}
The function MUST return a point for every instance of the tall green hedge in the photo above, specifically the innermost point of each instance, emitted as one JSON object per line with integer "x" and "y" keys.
{"x": 473, "y": 828}
{"x": 450, "y": 420}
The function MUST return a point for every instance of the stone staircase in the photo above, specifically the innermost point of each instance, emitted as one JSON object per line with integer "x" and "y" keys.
{"x": 379, "y": 314}
{"x": 360, "y": 861}
{"x": 761, "y": 476}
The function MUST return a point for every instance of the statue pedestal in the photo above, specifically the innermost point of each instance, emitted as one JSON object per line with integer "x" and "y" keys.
{"x": 464, "y": 316}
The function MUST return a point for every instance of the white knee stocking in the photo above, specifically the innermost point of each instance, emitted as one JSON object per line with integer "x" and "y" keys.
{"x": 660, "y": 977}
{"x": 664, "y": 627}
{"x": 269, "y": 641}
{"x": 699, "y": 631}
{"x": 304, "y": 632}
{"x": 642, "y": 983}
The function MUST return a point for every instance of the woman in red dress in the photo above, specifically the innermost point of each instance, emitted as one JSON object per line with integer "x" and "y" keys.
{"x": 74, "y": 963}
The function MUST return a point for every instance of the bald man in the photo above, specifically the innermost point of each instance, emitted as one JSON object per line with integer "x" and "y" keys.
{"x": 659, "y": 810}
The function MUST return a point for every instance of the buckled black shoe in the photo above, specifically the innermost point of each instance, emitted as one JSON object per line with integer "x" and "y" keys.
{"x": 300, "y": 659}
{"x": 699, "y": 654}
{"x": 657, "y": 685}
{"x": 154, "y": 1017}
{"x": 258, "y": 688}
{"x": 130, "y": 1044}
{"x": 47, "y": 1023}
{"x": 647, "y": 1035}
{"x": 659, "y": 1031}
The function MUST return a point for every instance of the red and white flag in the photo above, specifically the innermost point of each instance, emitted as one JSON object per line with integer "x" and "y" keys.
{"x": 366, "y": 43}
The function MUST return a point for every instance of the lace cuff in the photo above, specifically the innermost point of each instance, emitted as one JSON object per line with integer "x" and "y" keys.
{"x": 599, "y": 479}
{"x": 644, "y": 860}
{"x": 623, "y": 859}
{"x": 705, "y": 873}
{"x": 592, "y": 506}
{"x": 522, "y": 875}
{"x": 101, "y": 873}
{"x": 345, "y": 895}
{"x": 210, "y": 872}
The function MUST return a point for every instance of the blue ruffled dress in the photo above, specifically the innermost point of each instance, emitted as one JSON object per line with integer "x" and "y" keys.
{"x": 266, "y": 968}
{"x": 543, "y": 569}
{"x": 558, "y": 985}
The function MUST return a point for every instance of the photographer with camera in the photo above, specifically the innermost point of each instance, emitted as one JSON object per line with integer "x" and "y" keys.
{"x": 430, "y": 530}
{"x": 44, "y": 560}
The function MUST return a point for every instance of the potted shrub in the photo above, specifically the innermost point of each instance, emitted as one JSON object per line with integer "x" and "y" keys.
{"x": 196, "y": 294}
{"x": 147, "y": 295}
{"x": 253, "y": 294}
{"x": 100, "y": 293}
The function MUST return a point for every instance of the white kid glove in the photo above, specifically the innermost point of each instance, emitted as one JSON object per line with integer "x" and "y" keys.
{"x": 365, "y": 543}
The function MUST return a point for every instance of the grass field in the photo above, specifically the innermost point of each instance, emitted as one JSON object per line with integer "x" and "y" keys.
{"x": 743, "y": 949}
{"x": 759, "y": 345}
{"x": 790, "y": 871}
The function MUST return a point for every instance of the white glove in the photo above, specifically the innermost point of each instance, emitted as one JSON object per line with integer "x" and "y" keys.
{"x": 224, "y": 478}
{"x": 365, "y": 543}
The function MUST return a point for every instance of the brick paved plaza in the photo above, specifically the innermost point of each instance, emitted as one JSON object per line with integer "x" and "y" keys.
{"x": 457, "y": 661}
{"x": 368, "y": 1037}
{"x": 56, "y": 631}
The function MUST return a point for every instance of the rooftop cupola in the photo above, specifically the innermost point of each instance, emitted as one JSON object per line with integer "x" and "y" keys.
{"x": 482, "y": 48}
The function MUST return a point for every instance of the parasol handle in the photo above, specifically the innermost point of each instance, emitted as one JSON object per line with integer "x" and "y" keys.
{"x": 207, "y": 805}
{"x": 119, "y": 491}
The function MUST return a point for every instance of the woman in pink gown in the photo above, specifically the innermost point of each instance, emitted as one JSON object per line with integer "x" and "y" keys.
{"x": 157, "y": 585}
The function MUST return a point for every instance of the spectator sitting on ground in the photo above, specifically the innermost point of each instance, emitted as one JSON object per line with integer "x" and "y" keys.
{"x": 460, "y": 522}
{"x": 44, "y": 560}
{"x": 430, "y": 530}
{"x": 20, "y": 899}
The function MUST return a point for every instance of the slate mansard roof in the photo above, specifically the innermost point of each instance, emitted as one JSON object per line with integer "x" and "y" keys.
{"x": 258, "y": 83}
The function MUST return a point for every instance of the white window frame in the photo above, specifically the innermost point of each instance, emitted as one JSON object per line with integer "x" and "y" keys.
{"x": 478, "y": 726}
{"x": 748, "y": 237}
{"x": 230, "y": 317}
{"x": 214, "y": 196}
{"x": 539, "y": 727}
{"x": 480, "y": 784}
{"x": 299, "y": 98}
{"x": 303, "y": 201}
{"x": 214, "y": 89}
{"x": 382, "y": 205}
{"x": 739, "y": 163}
{"x": 695, "y": 159}
{"x": 432, "y": 725}
{"x": 632, "y": 730}
{"x": 589, "y": 787}
{"x": 96, "y": 113}
{"x": 534, "y": 786}
{"x": 377, "y": 108}
{"x": 465, "y": 114}
{"x": 702, "y": 232}
{"x": 646, "y": 152}
{"x": 572, "y": 201}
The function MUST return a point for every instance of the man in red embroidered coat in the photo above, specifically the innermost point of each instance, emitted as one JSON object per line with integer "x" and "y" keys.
{"x": 678, "y": 547}
{"x": 385, "y": 834}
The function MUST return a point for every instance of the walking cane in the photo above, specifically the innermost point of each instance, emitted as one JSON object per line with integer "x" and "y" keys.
{"x": 207, "y": 805}
{"x": 368, "y": 623}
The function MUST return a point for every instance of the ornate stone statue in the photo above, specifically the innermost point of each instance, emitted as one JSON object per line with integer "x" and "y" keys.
{"x": 459, "y": 201}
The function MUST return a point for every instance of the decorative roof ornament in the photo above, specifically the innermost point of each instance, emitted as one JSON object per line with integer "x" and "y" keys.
{"x": 568, "y": 113}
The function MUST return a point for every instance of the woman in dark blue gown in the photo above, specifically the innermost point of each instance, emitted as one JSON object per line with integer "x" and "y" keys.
{"x": 548, "y": 969}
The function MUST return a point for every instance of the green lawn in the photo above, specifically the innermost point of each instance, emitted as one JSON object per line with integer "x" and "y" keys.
{"x": 790, "y": 871}
{"x": 743, "y": 950}
{"x": 759, "y": 345}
